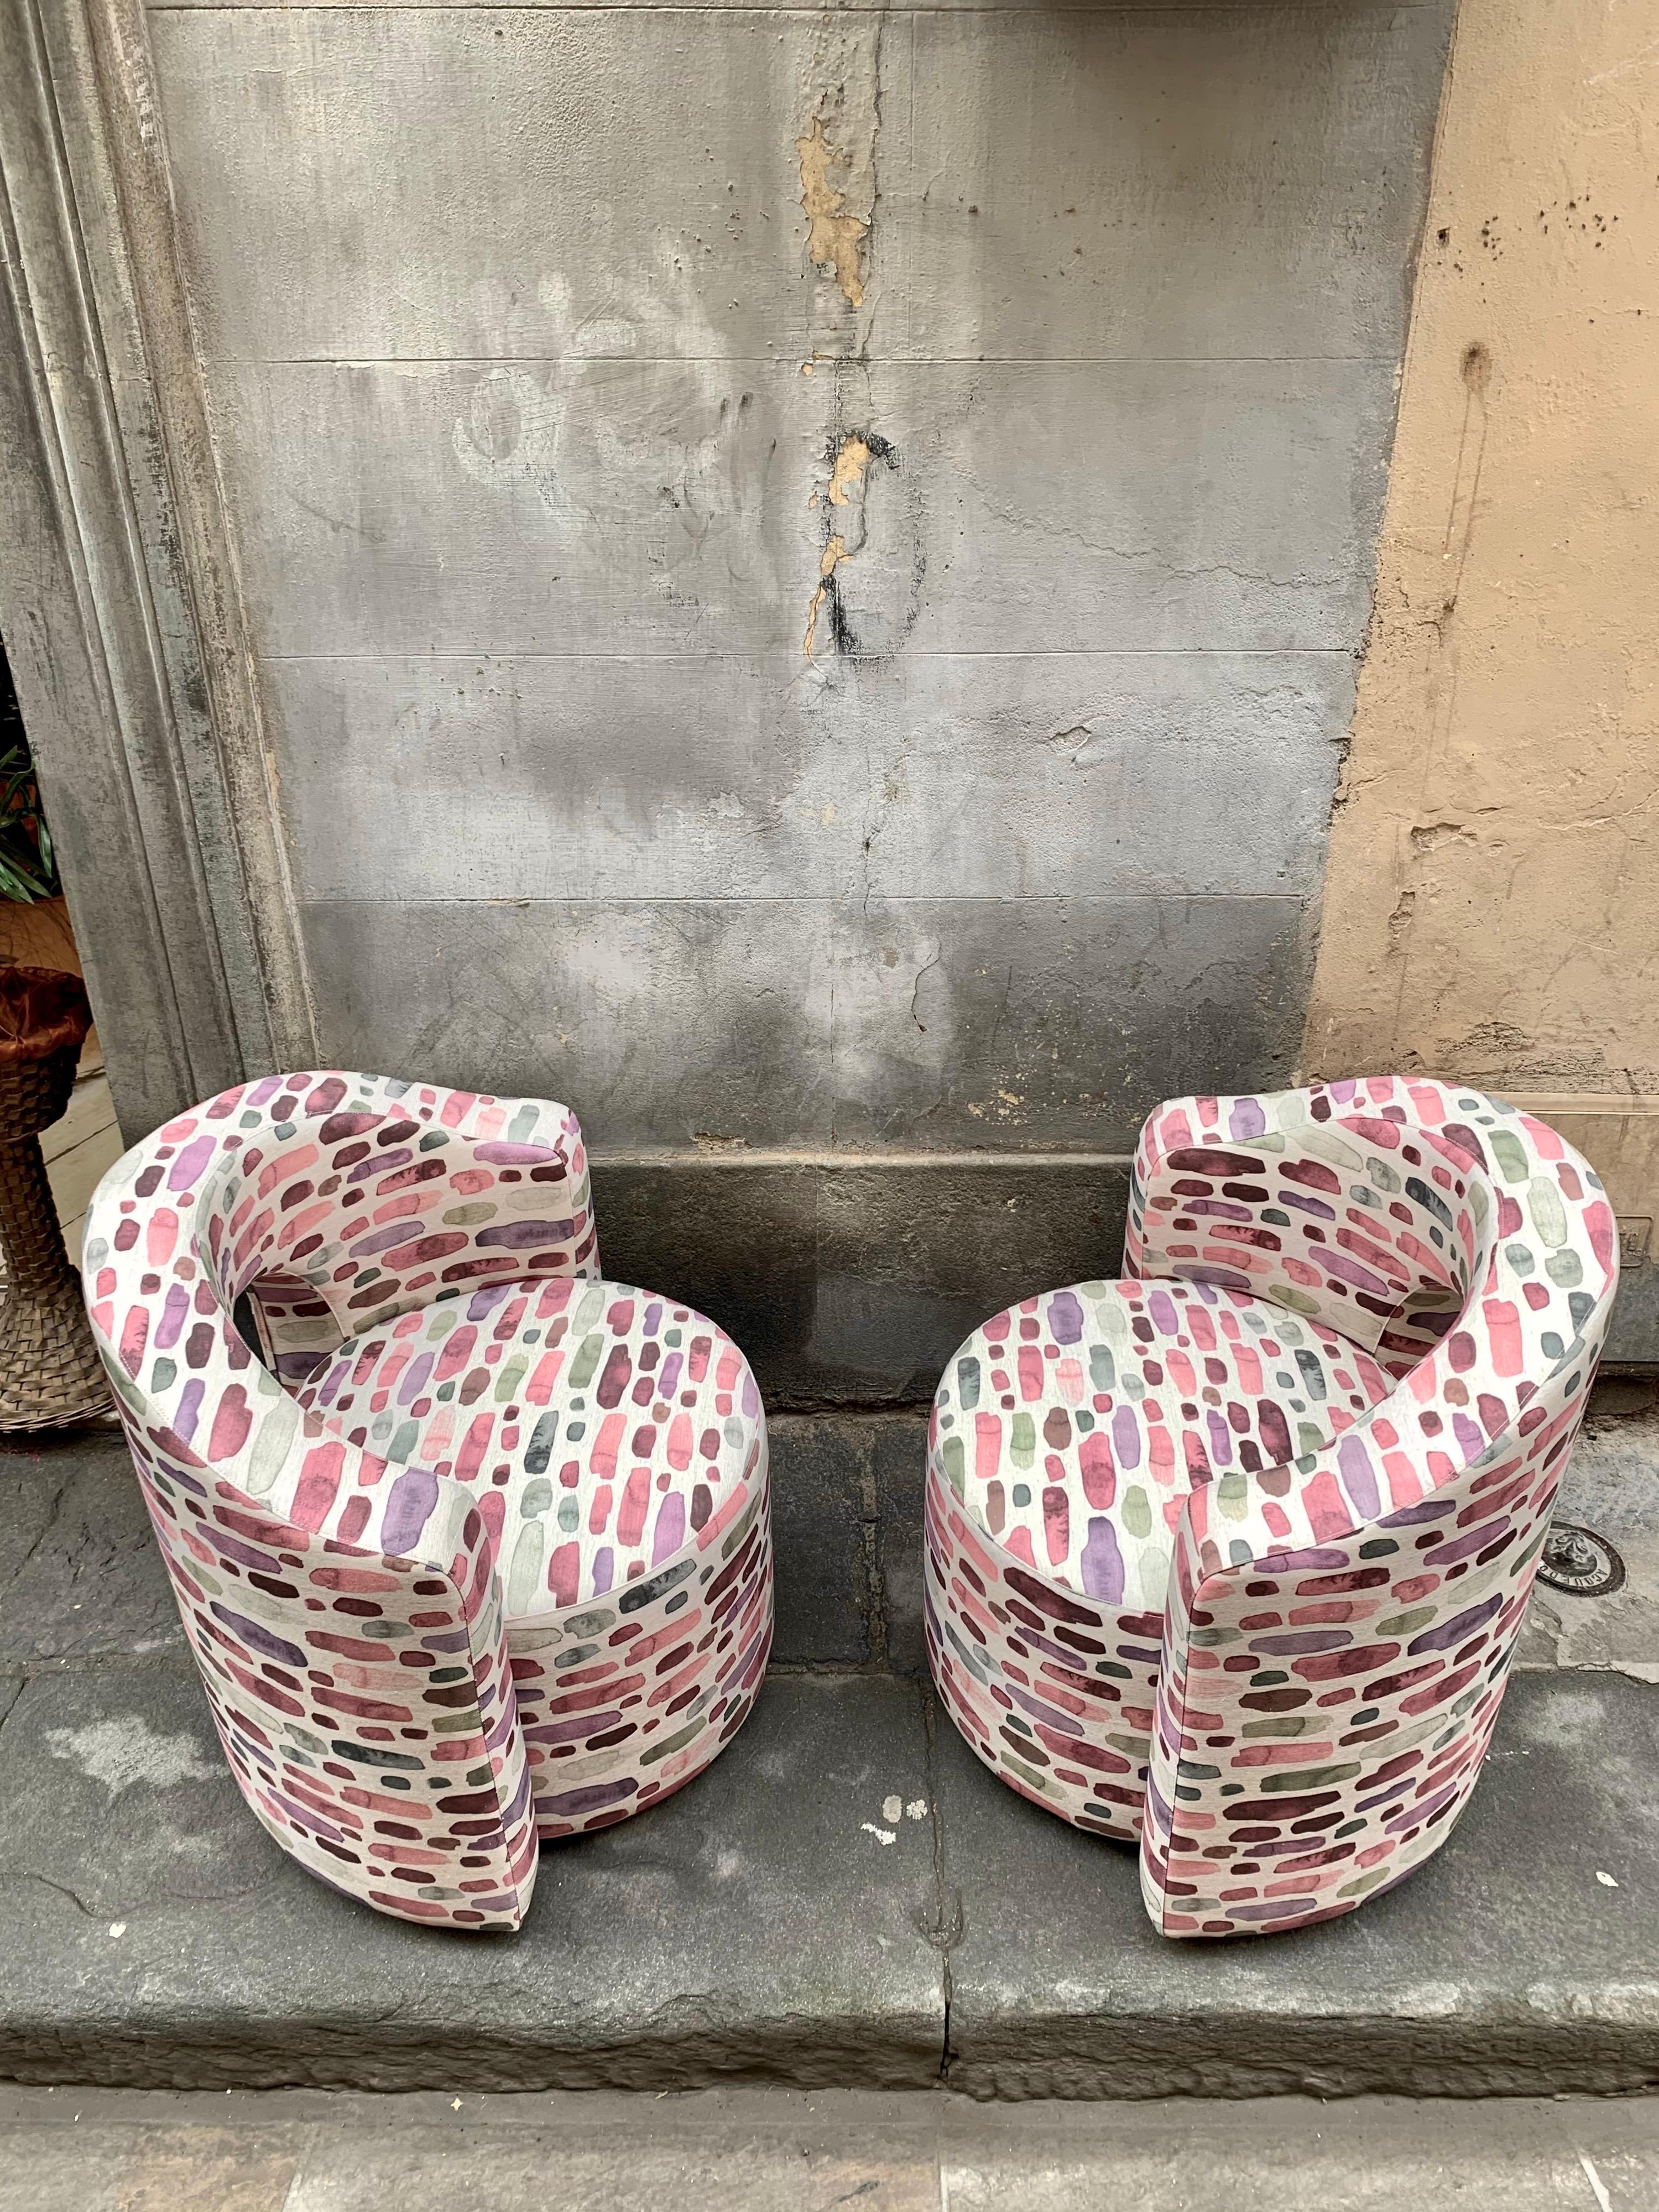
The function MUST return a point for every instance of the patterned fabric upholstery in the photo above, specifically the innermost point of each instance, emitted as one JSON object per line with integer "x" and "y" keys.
{"x": 492, "y": 1558}
{"x": 1292, "y": 1721}
{"x": 1070, "y": 1429}
{"x": 603, "y": 1431}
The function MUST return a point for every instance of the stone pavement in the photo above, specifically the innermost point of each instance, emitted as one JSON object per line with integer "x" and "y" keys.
{"x": 758, "y": 2150}
{"x": 1612, "y": 1487}
{"x": 846, "y": 1898}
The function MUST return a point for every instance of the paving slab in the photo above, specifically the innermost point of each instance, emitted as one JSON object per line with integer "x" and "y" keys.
{"x": 898, "y": 1456}
{"x": 771, "y": 1919}
{"x": 1524, "y": 1956}
{"x": 827, "y": 1612}
{"x": 847, "y": 1530}
{"x": 1612, "y": 1487}
{"x": 846, "y": 1897}
{"x": 80, "y": 1574}
{"x": 750, "y": 2149}
{"x": 805, "y": 1912}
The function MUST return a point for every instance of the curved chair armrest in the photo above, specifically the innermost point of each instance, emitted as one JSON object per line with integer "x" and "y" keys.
{"x": 1353, "y": 1205}
{"x": 344, "y": 1610}
{"x": 347, "y": 1621}
{"x": 362, "y": 1687}
{"x": 1335, "y": 1656}
{"x": 456, "y": 1191}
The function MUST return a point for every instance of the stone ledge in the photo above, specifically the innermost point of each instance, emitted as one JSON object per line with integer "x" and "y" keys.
{"x": 760, "y": 1925}
{"x": 1504, "y": 1965}
{"x": 846, "y": 1897}
{"x": 156, "y": 1936}
{"x": 849, "y": 1279}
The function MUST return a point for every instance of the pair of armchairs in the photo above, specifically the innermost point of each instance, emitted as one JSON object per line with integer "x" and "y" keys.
{"x": 1227, "y": 1558}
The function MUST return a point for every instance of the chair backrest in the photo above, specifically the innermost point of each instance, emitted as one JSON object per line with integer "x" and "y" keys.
{"x": 333, "y": 1203}
{"x": 1464, "y": 1241}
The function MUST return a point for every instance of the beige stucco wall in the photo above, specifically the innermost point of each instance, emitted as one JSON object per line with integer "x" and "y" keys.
{"x": 1491, "y": 894}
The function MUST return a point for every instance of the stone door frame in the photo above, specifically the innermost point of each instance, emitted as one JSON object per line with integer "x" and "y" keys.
{"x": 120, "y": 599}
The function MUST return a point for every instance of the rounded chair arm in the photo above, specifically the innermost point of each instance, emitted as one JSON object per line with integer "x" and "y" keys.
{"x": 1332, "y": 1202}
{"x": 365, "y": 1701}
{"x": 1333, "y": 1658}
{"x": 428, "y": 1203}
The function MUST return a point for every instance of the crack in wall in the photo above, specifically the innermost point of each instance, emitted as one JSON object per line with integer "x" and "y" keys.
{"x": 835, "y": 553}
{"x": 835, "y": 154}
{"x": 948, "y": 1922}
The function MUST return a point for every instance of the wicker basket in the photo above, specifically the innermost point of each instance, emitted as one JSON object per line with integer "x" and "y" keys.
{"x": 50, "y": 1370}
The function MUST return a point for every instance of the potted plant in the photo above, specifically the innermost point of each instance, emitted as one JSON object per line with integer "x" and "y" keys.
{"x": 50, "y": 1370}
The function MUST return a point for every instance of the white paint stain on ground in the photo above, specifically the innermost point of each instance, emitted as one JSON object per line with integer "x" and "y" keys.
{"x": 1596, "y": 2181}
{"x": 121, "y": 1752}
{"x": 894, "y": 1810}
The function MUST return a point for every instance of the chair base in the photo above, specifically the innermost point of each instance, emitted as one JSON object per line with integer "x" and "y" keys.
{"x": 605, "y": 1750}
{"x": 1015, "y": 1690}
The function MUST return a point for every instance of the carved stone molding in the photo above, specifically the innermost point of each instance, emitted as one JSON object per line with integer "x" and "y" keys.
{"x": 119, "y": 600}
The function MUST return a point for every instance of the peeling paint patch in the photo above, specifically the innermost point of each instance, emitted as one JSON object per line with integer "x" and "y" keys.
{"x": 846, "y": 474}
{"x": 835, "y": 237}
{"x": 849, "y": 465}
{"x": 1084, "y": 744}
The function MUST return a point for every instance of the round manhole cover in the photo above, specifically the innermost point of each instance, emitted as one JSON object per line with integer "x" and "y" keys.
{"x": 1579, "y": 1562}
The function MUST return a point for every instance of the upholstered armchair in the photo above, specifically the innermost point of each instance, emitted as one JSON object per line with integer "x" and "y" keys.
{"x": 472, "y": 1546}
{"x": 1228, "y": 1558}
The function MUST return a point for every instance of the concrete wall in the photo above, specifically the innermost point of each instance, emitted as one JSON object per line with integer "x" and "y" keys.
{"x": 803, "y": 572}
{"x": 1489, "y": 906}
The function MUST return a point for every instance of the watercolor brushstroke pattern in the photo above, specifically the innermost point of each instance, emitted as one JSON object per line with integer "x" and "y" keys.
{"x": 1231, "y": 1556}
{"x": 480, "y": 1552}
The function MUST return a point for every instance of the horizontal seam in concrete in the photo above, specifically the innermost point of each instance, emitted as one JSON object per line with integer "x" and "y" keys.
{"x": 971, "y": 8}
{"x": 781, "y": 361}
{"x": 786, "y": 1156}
{"x": 792, "y": 654}
{"x": 848, "y": 898}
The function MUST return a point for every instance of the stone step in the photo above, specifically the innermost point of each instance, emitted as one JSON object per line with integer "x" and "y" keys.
{"x": 751, "y": 2149}
{"x": 846, "y": 1897}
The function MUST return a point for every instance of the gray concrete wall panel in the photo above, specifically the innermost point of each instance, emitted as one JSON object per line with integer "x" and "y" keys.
{"x": 803, "y": 571}
{"x": 929, "y": 1022}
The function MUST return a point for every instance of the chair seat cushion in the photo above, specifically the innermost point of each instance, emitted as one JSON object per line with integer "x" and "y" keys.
{"x": 602, "y": 1427}
{"x": 1080, "y": 1420}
